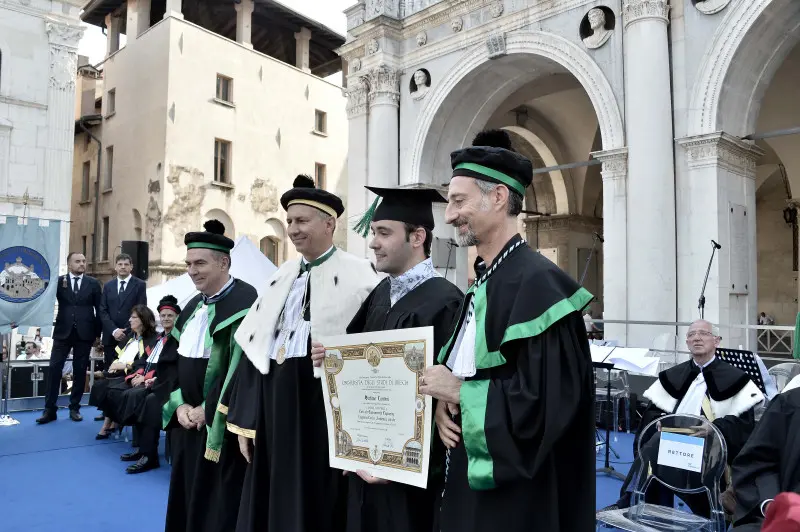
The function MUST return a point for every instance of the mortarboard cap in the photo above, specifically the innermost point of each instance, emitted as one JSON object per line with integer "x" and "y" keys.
{"x": 408, "y": 205}
{"x": 305, "y": 192}
{"x": 212, "y": 238}
{"x": 491, "y": 158}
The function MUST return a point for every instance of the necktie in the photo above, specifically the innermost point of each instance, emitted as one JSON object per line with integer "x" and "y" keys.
{"x": 75, "y": 284}
{"x": 122, "y": 287}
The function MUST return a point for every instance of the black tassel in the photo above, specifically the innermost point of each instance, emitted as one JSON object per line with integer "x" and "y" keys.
{"x": 291, "y": 335}
{"x": 335, "y": 280}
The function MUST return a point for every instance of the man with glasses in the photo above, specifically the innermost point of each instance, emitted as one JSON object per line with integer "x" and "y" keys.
{"x": 704, "y": 386}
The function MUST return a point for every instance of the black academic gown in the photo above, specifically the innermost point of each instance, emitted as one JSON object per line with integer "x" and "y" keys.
{"x": 289, "y": 485}
{"x": 526, "y": 457}
{"x": 108, "y": 394}
{"x": 769, "y": 463}
{"x": 398, "y": 507}
{"x": 724, "y": 383}
{"x": 203, "y": 493}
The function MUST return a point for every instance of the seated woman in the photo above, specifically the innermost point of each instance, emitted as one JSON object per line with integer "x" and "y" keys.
{"x": 131, "y": 358}
{"x": 139, "y": 406}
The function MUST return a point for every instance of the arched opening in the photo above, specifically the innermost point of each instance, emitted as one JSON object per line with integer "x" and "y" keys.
{"x": 273, "y": 244}
{"x": 222, "y": 216}
{"x": 137, "y": 225}
{"x": 747, "y": 88}
{"x": 556, "y": 105}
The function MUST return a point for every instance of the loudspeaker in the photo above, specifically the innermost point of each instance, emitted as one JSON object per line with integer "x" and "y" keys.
{"x": 140, "y": 253}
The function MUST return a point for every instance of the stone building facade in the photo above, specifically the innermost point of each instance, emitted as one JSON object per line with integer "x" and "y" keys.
{"x": 210, "y": 110}
{"x": 660, "y": 102}
{"x": 38, "y": 55}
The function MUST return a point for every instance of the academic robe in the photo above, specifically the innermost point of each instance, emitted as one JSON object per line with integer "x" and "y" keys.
{"x": 289, "y": 485}
{"x": 526, "y": 457}
{"x": 396, "y": 507}
{"x": 207, "y": 467}
{"x": 107, "y": 394}
{"x": 732, "y": 398}
{"x": 769, "y": 463}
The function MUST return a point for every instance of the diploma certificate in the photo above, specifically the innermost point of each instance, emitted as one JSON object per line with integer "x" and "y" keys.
{"x": 378, "y": 421}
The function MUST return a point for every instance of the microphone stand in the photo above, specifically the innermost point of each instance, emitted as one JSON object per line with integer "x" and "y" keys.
{"x": 701, "y": 303}
{"x": 588, "y": 259}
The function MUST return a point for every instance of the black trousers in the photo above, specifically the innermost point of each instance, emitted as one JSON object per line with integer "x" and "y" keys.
{"x": 80, "y": 361}
{"x": 148, "y": 426}
{"x": 109, "y": 355}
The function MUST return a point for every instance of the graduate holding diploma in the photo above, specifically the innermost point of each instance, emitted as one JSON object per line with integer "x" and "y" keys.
{"x": 413, "y": 295}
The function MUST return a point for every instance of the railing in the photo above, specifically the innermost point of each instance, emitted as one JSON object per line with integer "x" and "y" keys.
{"x": 773, "y": 343}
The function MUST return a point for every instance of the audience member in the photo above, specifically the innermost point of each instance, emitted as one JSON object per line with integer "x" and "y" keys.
{"x": 33, "y": 351}
{"x": 120, "y": 295}
{"x": 141, "y": 407}
{"x": 122, "y": 372}
{"x": 77, "y": 326}
{"x": 704, "y": 386}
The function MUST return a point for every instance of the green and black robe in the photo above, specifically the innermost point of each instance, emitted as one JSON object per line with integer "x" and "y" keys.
{"x": 526, "y": 459}
{"x": 207, "y": 467}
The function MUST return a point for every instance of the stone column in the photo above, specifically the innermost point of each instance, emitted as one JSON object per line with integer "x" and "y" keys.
{"x": 356, "y": 161}
{"x": 615, "y": 247}
{"x": 174, "y": 9}
{"x": 303, "y": 49}
{"x": 384, "y": 123}
{"x": 60, "y": 114}
{"x": 113, "y": 25}
{"x": 138, "y": 17}
{"x": 717, "y": 201}
{"x": 651, "y": 268}
{"x": 244, "y": 22}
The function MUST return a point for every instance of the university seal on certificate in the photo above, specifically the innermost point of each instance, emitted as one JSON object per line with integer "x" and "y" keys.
{"x": 378, "y": 421}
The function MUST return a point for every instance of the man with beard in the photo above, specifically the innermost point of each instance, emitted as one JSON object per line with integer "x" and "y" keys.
{"x": 193, "y": 370}
{"x": 275, "y": 402}
{"x": 703, "y": 386}
{"x": 517, "y": 373}
{"x": 414, "y": 295}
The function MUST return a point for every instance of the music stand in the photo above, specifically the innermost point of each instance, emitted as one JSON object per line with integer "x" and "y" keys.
{"x": 607, "y": 468}
{"x": 745, "y": 361}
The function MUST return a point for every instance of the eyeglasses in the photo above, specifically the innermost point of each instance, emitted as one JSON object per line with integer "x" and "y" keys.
{"x": 702, "y": 334}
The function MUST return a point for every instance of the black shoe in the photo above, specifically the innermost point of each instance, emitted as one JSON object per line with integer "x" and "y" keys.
{"x": 103, "y": 435}
{"x": 74, "y": 415}
{"x": 145, "y": 463}
{"x": 101, "y": 417}
{"x": 131, "y": 457}
{"x": 47, "y": 417}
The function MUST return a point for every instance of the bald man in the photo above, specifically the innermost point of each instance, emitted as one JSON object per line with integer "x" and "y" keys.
{"x": 682, "y": 389}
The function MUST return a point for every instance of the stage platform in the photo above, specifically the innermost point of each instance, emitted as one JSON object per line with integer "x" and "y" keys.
{"x": 58, "y": 477}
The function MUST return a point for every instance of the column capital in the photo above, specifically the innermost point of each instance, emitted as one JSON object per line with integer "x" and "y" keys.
{"x": 246, "y": 6}
{"x": 722, "y": 150}
{"x": 615, "y": 163}
{"x": 357, "y": 98}
{"x": 384, "y": 86}
{"x": 63, "y": 34}
{"x": 638, "y": 10}
{"x": 303, "y": 35}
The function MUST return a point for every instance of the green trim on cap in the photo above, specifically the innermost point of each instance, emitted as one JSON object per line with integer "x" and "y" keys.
{"x": 494, "y": 174}
{"x": 206, "y": 245}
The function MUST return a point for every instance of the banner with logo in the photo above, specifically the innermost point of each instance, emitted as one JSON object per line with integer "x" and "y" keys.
{"x": 29, "y": 262}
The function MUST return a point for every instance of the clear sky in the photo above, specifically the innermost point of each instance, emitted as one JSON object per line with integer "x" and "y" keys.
{"x": 328, "y": 12}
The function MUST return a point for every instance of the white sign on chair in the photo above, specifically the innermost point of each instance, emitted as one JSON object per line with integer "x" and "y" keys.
{"x": 681, "y": 451}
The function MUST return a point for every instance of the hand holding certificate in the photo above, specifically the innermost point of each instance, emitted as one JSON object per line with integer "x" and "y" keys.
{"x": 378, "y": 419}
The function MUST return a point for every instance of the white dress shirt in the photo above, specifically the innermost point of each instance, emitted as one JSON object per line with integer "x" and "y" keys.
{"x": 72, "y": 278}
{"x": 120, "y": 280}
{"x": 692, "y": 402}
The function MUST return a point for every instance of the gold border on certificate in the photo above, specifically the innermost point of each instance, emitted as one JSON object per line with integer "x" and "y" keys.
{"x": 407, "y": 463}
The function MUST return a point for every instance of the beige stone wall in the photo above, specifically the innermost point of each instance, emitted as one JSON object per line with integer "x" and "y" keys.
{"x": 163, "y": 130}
{"x": 270, "y": 128}
{"x": 777, "y": 283}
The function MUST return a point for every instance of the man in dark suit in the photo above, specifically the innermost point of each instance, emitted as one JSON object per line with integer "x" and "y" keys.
{"x": 120, "y": 295}
{"x": 77, "y": 327}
